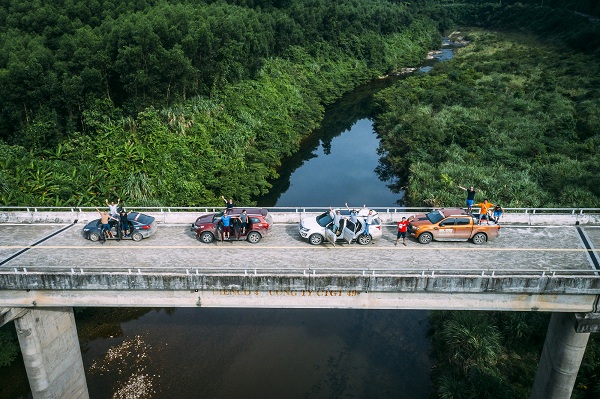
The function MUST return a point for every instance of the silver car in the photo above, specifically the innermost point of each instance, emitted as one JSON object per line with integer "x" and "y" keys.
{"x": 320, "y": 228}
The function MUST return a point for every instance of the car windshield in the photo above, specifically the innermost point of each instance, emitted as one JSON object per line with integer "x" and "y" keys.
{"x": 324, "y": 219}
{"x": 435, "y": 216}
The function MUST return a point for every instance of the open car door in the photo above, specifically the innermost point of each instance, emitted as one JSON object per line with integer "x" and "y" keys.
{"x": 330, "y": 235}
{"x": 348, "y": 231}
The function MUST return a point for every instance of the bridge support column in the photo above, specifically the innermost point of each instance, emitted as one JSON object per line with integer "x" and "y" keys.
{"x": 50, "y": 348}
{"x": 560, "y": 360}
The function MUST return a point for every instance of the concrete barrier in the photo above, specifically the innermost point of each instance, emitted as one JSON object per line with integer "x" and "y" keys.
{"x": 542, "y": 218}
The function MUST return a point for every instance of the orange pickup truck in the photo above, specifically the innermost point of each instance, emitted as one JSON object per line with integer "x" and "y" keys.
{"x": 450, "y": 224}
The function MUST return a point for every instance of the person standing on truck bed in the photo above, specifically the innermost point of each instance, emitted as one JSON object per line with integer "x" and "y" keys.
{"x": 470, "y": 197}
{"x": 485, "y": 207}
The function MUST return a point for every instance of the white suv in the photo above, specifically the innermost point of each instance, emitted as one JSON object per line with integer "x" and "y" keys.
{"x": 319, "y": 228}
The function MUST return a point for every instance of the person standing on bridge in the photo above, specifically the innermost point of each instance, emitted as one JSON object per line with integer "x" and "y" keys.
{"x": 368, "y": 222}
{"x": 470, "y": 197}
{"x": 226, "y": 220}
{"x": 402, "y": 227}
{"x": 243, "y": 222}
{"x": 335, "y": 216}
{"x": 104, "y": 223}
{"x": 123, "y": 223}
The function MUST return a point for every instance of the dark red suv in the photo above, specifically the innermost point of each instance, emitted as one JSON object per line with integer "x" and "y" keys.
{"x": 209, "y": 227}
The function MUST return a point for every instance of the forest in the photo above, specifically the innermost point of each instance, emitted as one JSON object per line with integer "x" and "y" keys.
{"x": 515, "y": 114}
{"x": 179, "y": 102}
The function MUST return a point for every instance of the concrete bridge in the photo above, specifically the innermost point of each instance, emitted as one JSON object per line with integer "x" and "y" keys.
{"x": 544, "y": 260}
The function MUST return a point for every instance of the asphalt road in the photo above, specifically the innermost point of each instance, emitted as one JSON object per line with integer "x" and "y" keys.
{"x": 519, "y": 248}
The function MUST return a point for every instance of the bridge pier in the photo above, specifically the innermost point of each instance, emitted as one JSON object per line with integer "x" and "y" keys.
{"x": 50, "y": 348}
{"x": 561, "y": 357}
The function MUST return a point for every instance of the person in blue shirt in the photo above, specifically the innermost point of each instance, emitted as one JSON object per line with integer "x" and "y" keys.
{"x": 226, "y": 220}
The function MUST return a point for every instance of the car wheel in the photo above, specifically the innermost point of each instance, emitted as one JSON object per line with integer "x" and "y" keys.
{"x": 94, "y": 236}
{"x": 479, "y": 238}
{"x": 315, "y": 239}
{"x": 137, "y": 236}
{"x": 364, "y": 239}
{"x": 253, "y": 237}
{"x": 207, "y": 237}
{"x": 425, "y": 238}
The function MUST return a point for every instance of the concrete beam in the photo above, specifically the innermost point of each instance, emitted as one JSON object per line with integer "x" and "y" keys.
{"x": 430, "y": 283}
{"x": 561, "y": 357}
{"x": 51, "y": 353}
{"x": 322, "y": 298}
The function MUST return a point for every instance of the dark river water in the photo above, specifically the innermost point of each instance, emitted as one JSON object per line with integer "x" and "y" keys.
{"x": 272, "y": 353}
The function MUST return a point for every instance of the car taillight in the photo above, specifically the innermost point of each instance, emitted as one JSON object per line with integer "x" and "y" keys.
{"x": 146, "y": 227}
{"x": 378, "y": 227}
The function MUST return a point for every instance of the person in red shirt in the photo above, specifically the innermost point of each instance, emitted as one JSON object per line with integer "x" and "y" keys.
{"x": 402, "y": 227}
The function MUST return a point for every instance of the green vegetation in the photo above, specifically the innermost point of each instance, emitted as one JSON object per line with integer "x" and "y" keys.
{"x": 9, "y": 351}
{"x": 495, "y": 355}
{"x": 485, "y": 354}
{"x": 516, "y": 118}
{"x": 516, "y": 115}
{"x": 178, "y": 103}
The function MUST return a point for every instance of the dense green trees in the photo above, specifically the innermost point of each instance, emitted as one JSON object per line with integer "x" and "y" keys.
{"x": 516, "y": 116}
{"x": 510, "y": 115}
{"x": 157, "y": 53}
{"x": 176, "y": 103}
{"x": 485, "y": 354}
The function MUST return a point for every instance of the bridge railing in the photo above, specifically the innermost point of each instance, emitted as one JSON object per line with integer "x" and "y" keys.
{"x": 294, "y": 209}
{"x": 282, "y": 215}
{"x": 366, "y": 272}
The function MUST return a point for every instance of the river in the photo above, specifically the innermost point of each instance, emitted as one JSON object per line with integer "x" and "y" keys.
{"x": 273, "y": 353}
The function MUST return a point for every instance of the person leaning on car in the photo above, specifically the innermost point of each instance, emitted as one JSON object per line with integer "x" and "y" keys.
{"x": 104, "y": 218}
{"x": 243, "y": 221}
{"x": 124, "y": 223}
{"x": 336, "y": 216}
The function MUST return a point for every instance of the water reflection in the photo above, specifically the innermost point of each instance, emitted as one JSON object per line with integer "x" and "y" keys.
{"x": 342, "y": 153}
{"x": 271, "y": 353}
{"x": 339, "y": 162}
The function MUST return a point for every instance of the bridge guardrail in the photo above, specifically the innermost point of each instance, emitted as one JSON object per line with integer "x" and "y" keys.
{"x": 285, "y": 209}
{"x": 309, "y": 272}
{"x": 389, "y": 215}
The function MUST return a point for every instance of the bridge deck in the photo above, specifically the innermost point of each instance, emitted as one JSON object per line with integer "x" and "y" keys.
{"x": 558, "y": 248}
{"x": 527, "y": 268}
